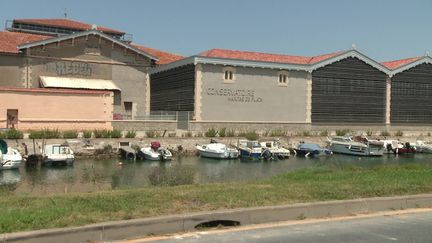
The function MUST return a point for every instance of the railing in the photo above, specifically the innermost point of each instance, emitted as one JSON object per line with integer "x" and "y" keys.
{"x": 154, "y": 116}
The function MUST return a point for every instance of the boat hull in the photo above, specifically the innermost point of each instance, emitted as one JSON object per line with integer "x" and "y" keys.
{"x": 219, "y": 155}
{"x": 10, "y": 165}
{"x": 159, "y": 155}
{"x": 356, "y": 150}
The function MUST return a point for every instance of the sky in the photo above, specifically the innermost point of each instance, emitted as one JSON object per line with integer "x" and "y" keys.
{"x": 382, "y": 29}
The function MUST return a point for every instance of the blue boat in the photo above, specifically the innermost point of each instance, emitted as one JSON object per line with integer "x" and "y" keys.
{"x": 252, "y": 149}
{"x": 311, "y": 149}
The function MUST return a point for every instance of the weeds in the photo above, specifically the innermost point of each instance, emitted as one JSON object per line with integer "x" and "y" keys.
{"x": 104, "y": 133}
{"x": 211, "y": 133}
{"x": 115, "y": 134}
{"x": 87, "y": 134}
{"x": 342, "y": 132}
{"x": 278, "y": 133}
{"x": 45, "y": 133}
{"x": 152, "y": 134}
{"x": 399, "y": 133}
{"x": 324, "y": 133}
{"x": 222, "y": 132}
{"x": 70, "y": 134}
{"x": 385, "y": 133}
{"x": 11, "y": 134}
{"x": 130, "y": 134}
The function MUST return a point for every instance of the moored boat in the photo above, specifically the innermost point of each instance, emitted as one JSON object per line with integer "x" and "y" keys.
{"x": 217, "y": 151}
{"x": 252, "y": 150}
{"x": 311, "y": 150}
{"x": 360, "y": 147}
{"x": 276, "y": 149}
{"x": 58, "y": 155}
{"x": 155, "y": 152}
{"x": 10, "y": 158}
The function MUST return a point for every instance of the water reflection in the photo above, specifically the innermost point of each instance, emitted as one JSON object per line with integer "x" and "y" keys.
{"x": 89, "y": 175}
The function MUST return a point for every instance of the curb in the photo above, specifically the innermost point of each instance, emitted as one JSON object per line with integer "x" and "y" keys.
{"x": 118, "y": 230}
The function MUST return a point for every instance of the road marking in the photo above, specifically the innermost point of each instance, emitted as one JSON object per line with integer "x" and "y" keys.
{"x": 197, "y": 234}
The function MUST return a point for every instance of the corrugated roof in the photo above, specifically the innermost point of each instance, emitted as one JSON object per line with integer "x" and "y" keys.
{"x": 266, "y": 57}
{"x": 10, "y": 40}
{"x": 399, "y": 63}
{"x": 164, "y": 57}
{"x": 78, "y": 83}
{"x": 68, "y": 23}
{"x": 47, "y": 90}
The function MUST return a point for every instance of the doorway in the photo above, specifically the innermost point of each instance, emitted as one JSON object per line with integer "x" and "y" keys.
{"x": 12, "y": 118}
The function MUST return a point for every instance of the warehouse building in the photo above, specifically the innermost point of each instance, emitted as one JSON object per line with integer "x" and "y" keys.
{"x": 411, "y": 90}
{"x": 67, "y": 54}
{"x": 237, "y": 86}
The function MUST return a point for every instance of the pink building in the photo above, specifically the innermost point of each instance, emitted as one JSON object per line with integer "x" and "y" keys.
{"x": 63, "y": 109}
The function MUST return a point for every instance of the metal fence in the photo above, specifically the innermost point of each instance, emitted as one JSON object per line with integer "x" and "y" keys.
{"x": 157, "y": 116}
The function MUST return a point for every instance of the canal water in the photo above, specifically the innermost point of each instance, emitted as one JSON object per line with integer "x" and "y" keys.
{"x": 88, "y": 175}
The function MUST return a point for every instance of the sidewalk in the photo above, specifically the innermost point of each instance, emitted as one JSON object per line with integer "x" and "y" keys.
{"x": 118, "y": 230}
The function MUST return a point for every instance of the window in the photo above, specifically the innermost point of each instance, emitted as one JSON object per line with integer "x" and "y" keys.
{"x": 128, "y": 110}
{"x": 228, "y": 75}
{"x": 283, "y": 78}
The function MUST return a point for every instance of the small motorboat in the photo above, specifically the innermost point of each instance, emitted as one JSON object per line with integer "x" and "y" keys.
{"x": 397, "y": 147}
{"x": 217, "y": 151}
{"x": 155, "y": 152}
{"x": 276, "y": 149}
{"x": 58, "y": 155}
{"x": 10, "y": 158}
{"x": 360, "y": 147}
{"x": 311, "y": 150}
{"x": 423, "y": 147}
{"x": 252, "y": 149}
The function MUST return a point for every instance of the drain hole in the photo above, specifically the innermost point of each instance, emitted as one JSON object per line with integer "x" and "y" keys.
{"x": 217, "y": 224}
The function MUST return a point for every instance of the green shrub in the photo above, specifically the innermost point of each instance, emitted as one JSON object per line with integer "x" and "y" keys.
{"x": 222, "y": 132}
{"x": 342, "y": 132}
{"x": 369, "y": 133}
{"x": 385, "y": 133}
{"x": 172, "y": 176}
{"x": 399, "y": 133}
{"x": 115, "y": 134}
{"x": 70, "y": 134}
{"x": 278, "y": 133}
{"x": 152, "y": 134}
{"x": 324, "y": 133}
{"x": 87, "y": 134}
{"x": 12, "y": 134}
{"x": 104, "y": 133}
{"x": 130, "y": 134}
{"x": 211, "y": 133}
{"x": 45, "y": 133}
{"x": 252, "y": 135}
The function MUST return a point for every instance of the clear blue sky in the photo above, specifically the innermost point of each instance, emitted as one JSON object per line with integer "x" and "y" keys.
{"x": 382, "y": 29}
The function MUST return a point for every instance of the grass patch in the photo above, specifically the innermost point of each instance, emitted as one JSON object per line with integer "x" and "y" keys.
{"x": 45, "y": 133}
{"x": 130, "y": 134}
{"x": 70, "y": 134}
{"x": 313, "y": 184}
{"x": 87, "y": 134}
{"x": 211, "y": 133}
{"x": 342, "y": 132}
{"x": 12, "y": 134}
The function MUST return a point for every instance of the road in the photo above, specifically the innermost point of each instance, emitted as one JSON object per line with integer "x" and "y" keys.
{"x": 412, "y": 226}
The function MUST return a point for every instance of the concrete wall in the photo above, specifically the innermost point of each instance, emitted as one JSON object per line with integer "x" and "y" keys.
{"x": 12, "y": 71}
{"x": 254, "y": 95}
{"x": 39, "y": 109}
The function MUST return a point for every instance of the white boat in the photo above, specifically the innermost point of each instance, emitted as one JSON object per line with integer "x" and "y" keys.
{"x": 217, "y": 151}
{"x": 252, "y": 149}
{"x": 423, "y": 147}
{"x": 58, "y": 154}
{"x": 10, "y": 158}
{"x": 346, "y": 145}
{"x": 155, "y": 152}
{"x": 276, "y": 149}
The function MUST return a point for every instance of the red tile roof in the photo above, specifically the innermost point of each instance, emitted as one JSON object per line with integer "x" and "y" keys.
{"x": 48, "y": 90}
{"x": 266, "y": 57}
{"x": 10, "y": 40}
{"x": 67, "y": 23}
{"x": 399, "y": 63}
{"x": 164, "y": 57}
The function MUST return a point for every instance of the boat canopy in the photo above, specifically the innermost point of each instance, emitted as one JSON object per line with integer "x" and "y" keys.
{"x": 311, "y": 146}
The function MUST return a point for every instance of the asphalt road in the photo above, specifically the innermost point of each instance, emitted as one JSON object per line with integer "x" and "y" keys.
{"x": 405, "y": 227}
